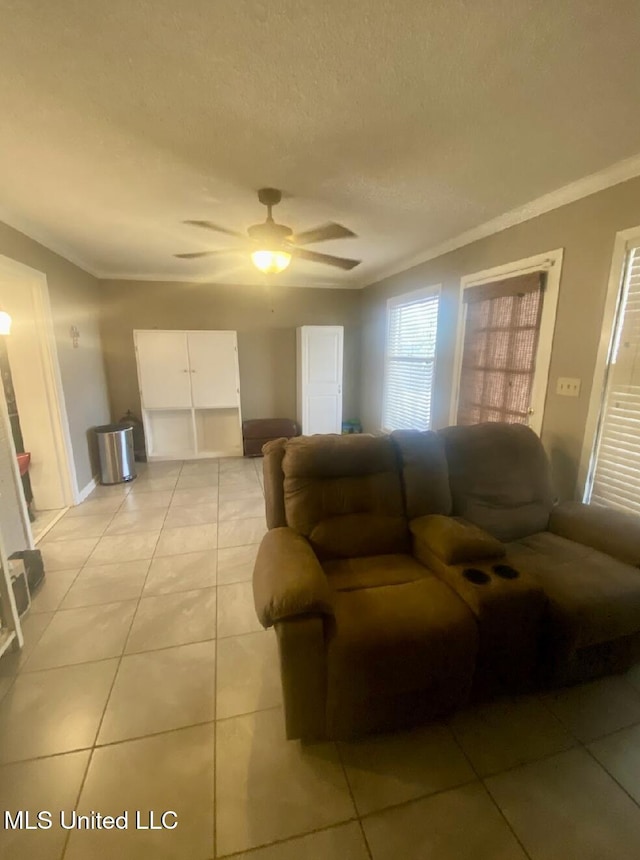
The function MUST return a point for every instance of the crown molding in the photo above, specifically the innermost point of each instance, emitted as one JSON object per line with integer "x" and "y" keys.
{"x": 619, "y": 172}
{"x": 181, "y": 279}
{"x": 50, "y": 244}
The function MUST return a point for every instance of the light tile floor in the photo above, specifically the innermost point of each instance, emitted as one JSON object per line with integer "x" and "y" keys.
{"x": 147, "y": 684}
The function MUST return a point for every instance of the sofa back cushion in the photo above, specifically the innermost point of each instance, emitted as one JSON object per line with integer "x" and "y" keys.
{"x": 499, "y": 477}
{"x": 344, "y": 494}
{"x": 425, "y": 476}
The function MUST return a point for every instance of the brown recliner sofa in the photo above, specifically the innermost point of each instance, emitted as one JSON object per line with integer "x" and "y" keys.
{"x": 584, "y": 557}
{"x": 369, "y": 639}
{"x": 404, "y": 573}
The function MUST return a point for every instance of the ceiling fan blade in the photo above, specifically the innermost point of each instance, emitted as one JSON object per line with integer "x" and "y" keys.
{"x": 215, "y": 227}
{"x": 194, "y": 254}
{"x": 314, "y": 257}
{"x": 323, "y": 233}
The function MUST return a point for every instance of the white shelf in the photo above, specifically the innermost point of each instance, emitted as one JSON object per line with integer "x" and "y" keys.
{"x": 190, "y": 393}
{"x": 170, "y": 432}
{"x": 218, "y": 432}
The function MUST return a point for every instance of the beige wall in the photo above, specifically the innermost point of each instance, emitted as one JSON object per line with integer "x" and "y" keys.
{"x": 586, "y": 230}
{"x": 265, "y": 319}
{"x": 74, "y": 297}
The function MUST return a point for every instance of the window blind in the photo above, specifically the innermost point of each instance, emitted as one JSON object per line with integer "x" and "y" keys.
{"x": 410, "y": 361}
{"x": 502, "y": 325}
{"x": 616, "y": 474}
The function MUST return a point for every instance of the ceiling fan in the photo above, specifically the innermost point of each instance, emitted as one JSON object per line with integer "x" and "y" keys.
{"x": 273, "y": 245}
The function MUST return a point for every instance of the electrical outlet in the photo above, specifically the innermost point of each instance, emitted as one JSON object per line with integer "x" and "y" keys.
{"x": 568, "y": 386}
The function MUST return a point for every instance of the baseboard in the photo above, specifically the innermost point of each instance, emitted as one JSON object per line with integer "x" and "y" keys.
{"x": 86, "y": 491}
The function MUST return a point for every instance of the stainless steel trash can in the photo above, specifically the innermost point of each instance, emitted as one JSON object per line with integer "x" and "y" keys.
{"x": 115, "y": 449}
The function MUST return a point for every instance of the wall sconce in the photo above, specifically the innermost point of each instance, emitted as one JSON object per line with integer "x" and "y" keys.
{"x": 5, "y": 322}
{"x": 75, "y": 336}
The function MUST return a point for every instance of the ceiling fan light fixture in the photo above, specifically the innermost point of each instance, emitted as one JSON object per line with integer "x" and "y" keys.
{"x": 275, "y": 244}
{"x": 270, "y": 262}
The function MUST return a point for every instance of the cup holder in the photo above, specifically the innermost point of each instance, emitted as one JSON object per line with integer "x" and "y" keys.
{"x": 505, "y": 571}
{"x": 476, "y": 576}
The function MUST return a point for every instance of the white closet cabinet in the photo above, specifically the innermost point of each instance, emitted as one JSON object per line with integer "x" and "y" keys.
{"x": 190, "y": 393}
{"x": 319, "y": 370}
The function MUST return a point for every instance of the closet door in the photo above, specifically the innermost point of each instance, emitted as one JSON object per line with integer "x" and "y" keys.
{"x": 163, "y": 367}
{"x": 320, "y": 351}
{"x": 213, "y": 358}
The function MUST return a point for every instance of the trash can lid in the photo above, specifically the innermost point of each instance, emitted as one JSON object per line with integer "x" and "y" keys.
{"x": 111, "y": 428}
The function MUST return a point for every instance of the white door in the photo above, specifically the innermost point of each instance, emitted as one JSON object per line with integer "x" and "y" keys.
{"x": 163, "y": 367}
{"x": 320, "y": 381}
{"x": 213, "y": 358}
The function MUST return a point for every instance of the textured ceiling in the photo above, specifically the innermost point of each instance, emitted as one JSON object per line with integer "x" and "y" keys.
{"x": 409, "y": 121}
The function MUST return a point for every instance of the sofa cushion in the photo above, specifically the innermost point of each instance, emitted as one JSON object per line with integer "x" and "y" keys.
{"x": 499, "y": 477}
{"x": 593, "y": 598}
{"x": 346, "y": 574}
{"x": 344, "y": 494}
{"x": 411, "y": 647}
{"x": 454, "y": 540}
{"x": 608, "y": 530}
{"x": 425, "y": 476}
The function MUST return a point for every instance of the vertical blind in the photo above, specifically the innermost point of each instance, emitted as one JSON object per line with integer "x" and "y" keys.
{"x": 616, "y": 471}
{"x": 410, "y": 361}
{"x": 502, "y": 325}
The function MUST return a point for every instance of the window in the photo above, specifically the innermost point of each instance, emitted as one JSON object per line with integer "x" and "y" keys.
{"x": 615, "y": 474}
{"x": 412, "y": 324}
{"x": 502, "y": 324}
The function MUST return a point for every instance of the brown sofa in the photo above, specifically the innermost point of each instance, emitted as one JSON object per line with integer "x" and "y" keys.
{"x": 405, "y": 574}
{"x": 369, "y": 639}
{"x": 584, "y": 557}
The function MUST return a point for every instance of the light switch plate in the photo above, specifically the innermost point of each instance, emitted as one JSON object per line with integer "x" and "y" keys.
{"x": 568, "y": 386}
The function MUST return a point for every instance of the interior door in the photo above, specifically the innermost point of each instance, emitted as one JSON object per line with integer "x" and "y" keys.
{"x": 163, "y": 368}
{"x": 213, "y": 357}
{"x": 321, "y": 369}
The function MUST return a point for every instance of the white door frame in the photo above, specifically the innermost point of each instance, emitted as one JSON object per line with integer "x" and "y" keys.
{"x": 551, "y": 263}
{"x": 15, "y": 473}
{"x": 624, "y": 240}
{"x": 36, "y": 282}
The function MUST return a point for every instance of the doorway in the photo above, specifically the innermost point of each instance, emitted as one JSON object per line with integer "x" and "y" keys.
{"x": 36, "y": 404}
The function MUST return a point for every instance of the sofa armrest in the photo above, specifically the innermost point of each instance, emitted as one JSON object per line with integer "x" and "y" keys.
{"x": 288, "y": 580}
{"x": 454, "y": 540}
{"x": 613, "y": 532}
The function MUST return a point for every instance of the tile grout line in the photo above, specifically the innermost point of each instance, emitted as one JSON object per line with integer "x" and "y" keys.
{"x": 107, "y": 700}
{"x": 99, "y": 746}
{"x": 611, "y": 775}
{"x": 92, "y": 748}
{"x": 487, "y": 792}
{"x": 20, "y": 669}
{"x": 584, "y": 745}
{"x": 266, "y": 845}
{"x": 64, "y": 596}
{"x": 353, "y": 800}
